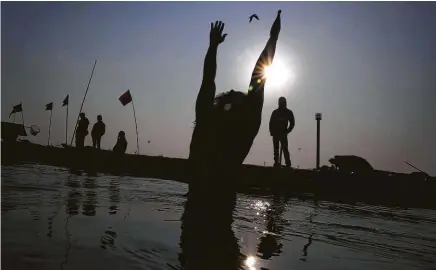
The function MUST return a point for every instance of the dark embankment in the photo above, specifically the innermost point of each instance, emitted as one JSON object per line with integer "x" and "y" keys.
{"x": 379, "y": 187}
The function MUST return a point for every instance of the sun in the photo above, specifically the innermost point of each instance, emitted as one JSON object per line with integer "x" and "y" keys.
{"x": 278, "y": 74}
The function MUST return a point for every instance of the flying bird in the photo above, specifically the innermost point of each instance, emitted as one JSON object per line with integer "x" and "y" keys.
{"x": 253, "y": 16}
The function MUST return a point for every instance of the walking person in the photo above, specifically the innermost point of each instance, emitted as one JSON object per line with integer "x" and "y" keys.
{"x": 282, "y": 122}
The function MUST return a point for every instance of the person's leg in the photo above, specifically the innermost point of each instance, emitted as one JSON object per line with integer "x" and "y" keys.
{"x": 276, "y": 150}
{"x": 94, "y": 142}
{"x": 99, "y": 142}
{"x": 82, "y": 141}
{"x": 284, "y": 143}
{"x": 78, "y": 141}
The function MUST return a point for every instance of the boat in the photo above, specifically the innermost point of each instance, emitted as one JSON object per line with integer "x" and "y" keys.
{"x": 329, "y": 183}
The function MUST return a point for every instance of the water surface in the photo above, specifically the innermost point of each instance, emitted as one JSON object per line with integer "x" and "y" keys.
{"x": 55, "y": 219}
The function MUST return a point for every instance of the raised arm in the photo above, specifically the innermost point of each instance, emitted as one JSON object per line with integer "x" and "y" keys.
{"x": 207, "y": 90}
{"x": 257, "y": 83}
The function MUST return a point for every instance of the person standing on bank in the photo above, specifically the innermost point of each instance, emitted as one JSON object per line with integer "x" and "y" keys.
{"x": 282, "y": 122}
{"x": 98, "y": 130}
{"x": 82, "y": 130}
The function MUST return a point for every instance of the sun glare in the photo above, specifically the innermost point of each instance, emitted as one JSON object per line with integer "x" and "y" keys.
{"x": 250, "y": 262}
{"x": 277, "y": 74}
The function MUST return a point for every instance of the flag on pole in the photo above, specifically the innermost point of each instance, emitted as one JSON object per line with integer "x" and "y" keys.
{"x": 126, "y": 98}
{"x": 65, "y": 102}
{"x": 49, "y": 107}
{"x": 16, "y": 108}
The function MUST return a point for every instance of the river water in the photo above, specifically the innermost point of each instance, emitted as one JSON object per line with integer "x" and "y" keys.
{"x": 55, "y": 219}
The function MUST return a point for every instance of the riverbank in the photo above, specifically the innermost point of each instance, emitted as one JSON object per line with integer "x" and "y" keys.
{"x": 378, "y": 186}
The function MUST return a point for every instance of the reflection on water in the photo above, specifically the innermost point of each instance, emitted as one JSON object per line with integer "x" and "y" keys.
{"x": 250, "y": 262}
{"x": 270, "y": 241}
{"x": 68, "y": 239}
{"x": 90, "y": 202}
{"x": 56, "y": 219}
{"x": 309, "y": 239}
{"x": 108, "y": 239}
{"x": 74, "y": 195}
{"x": 114, "y": 196}
{"x": 207, "y": 240}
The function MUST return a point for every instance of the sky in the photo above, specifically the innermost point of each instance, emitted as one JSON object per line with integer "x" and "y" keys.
{"x": 368, "y": 67}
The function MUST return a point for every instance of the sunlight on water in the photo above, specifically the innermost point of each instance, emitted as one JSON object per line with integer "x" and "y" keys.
{"x": 250, "y": 262}
{"x": 260, "y": 205}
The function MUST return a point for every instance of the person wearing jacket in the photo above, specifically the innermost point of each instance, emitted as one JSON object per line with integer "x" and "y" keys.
{"x": 282, "y": 122}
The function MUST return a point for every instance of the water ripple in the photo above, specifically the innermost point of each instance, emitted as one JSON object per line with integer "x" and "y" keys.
{"x": 56, "y": 218}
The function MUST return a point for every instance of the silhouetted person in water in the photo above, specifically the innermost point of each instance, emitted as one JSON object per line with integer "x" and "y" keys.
{"x": 225, "y": 128}
{"x": 98, "y": 130}
{"x": 121, "y": 145}
{"x": 282, "y": 122}
{"x": 82, "y": 130}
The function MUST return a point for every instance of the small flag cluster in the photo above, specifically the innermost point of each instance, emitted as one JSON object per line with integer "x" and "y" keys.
{"x": 49, "y": 106}
{"x": 125, "y": 99}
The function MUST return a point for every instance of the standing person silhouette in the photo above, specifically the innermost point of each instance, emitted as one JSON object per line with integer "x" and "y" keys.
{"x": 82, "y": 130}
{"x": 224, "y": 131}
{"x": 281, "y": 123}
{"x": 98, "y": 130}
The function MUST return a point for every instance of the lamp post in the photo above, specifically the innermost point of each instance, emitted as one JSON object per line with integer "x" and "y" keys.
{"x": 318, "y": 117}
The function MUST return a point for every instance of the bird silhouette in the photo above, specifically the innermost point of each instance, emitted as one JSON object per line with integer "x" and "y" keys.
{"x": 253, "y": 16}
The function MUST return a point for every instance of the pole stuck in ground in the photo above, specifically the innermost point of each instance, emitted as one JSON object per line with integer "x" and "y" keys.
{"x": 318, "y": 117}
{"x": 49, "y": 128}
{"x": 83, "y": 101}
{"x": 136, "y": 125}
{"x": 66, "y": 102}
{"x": 66, "y": 128}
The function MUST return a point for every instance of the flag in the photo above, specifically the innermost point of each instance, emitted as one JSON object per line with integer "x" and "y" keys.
{"x": 65, "y": 102}
{"x": 16, "y": 108}
{"x": 126, "y": 98}
{"x": 49, "y": 107}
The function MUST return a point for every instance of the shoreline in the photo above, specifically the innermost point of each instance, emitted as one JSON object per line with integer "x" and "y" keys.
{"x": 399, "y": 189}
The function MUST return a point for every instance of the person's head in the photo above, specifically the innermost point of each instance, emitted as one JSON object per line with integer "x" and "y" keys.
{"x": 229, "y": 122}
{"x": 282, "y": 102}
{"x": 121, "y": 134}
{"x": 229, "y": 107}
{"x": 99, "y": 118}
{"x": 82, "y": 115}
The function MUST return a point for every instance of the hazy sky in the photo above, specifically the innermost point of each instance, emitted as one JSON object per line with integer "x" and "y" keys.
{"x": 370, "y": 68}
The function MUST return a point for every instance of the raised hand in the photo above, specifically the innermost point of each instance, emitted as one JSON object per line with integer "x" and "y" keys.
{"x": 216, "y": 33}
{"x": 275, "y": 28}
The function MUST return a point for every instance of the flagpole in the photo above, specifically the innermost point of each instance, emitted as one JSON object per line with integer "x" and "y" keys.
{"x": 49, "y": 127}
{"x": 136, "y": 124}
{"x": 83, "y": 101}
{"x": 66, "y": 128}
